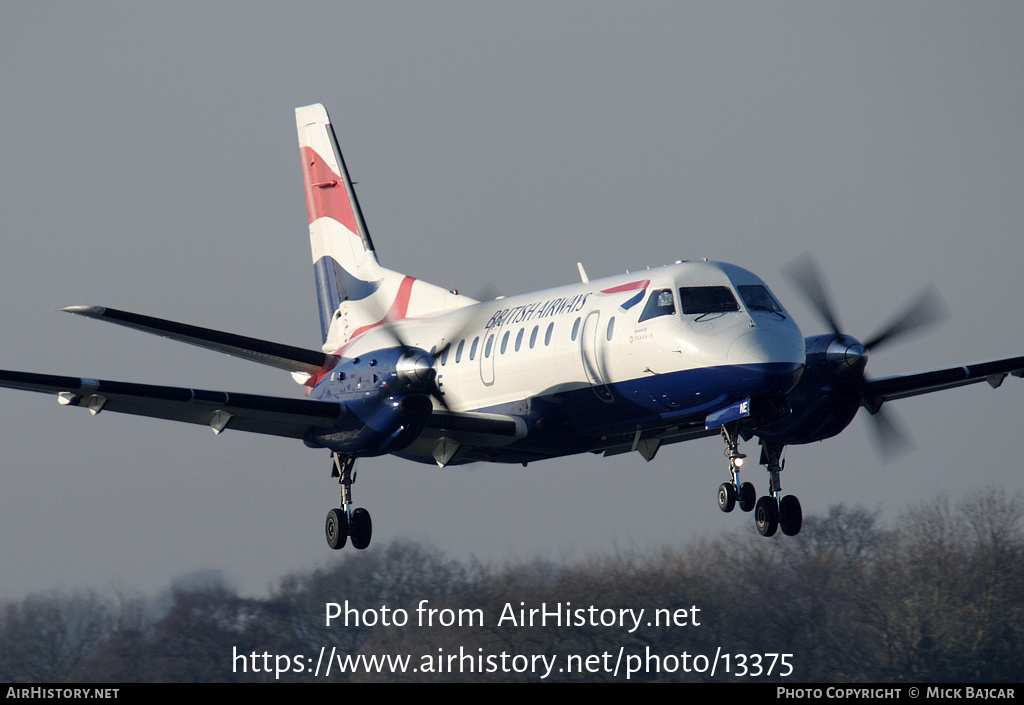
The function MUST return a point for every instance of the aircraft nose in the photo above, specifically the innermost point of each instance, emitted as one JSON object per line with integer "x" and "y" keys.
{"x": 777, "y": 354}
{"x": 767, "y": 345}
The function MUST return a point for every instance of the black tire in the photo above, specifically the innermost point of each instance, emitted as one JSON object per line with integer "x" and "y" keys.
{"x": 748, "y": 497}
{"x": 362, "y": 528}
{"x": 336, "y": 528}
{"x": 791, "y": 516}
{"x": 726, "y": 497}
{"x": 766, "y": 516}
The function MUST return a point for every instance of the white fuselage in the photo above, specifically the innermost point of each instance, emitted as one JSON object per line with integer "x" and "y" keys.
{"x": 605, "y": 353}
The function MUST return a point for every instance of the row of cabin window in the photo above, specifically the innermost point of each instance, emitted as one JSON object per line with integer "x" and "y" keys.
{"x": 504, "y": 343}
{"x": 488, "y": 346}
{"x": 694, "y": 300}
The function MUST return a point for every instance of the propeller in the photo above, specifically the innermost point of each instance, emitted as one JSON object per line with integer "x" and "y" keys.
{"x": 419, "y": 368}
{"x": 805, "y": 274}
{"x": 922, "y": 312}
{"x": 890, "y": 439}
{"x": 487, "y": 292}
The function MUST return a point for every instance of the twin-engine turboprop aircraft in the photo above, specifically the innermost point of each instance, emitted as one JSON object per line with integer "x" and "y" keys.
{"x": 628, "y": 363}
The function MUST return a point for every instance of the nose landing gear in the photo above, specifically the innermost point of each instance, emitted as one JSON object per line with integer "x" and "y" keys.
{"x": 729, "y": 493}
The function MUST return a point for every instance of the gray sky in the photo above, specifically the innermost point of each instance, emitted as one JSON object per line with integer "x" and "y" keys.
{"x": 148, "y": 161}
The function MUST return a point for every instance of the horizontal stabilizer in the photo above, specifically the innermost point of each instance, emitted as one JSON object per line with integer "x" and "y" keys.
{"x": 276, "y": 416}
{"x": 285, "y": 357}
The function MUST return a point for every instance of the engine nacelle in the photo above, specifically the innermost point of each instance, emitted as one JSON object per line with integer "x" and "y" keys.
{"x": 386, "y": 400}
{"x": 828, "y": 395}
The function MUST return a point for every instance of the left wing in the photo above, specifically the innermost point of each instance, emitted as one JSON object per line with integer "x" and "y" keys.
{"x": 276, "y": 416}
{"x": 883, "y": 389}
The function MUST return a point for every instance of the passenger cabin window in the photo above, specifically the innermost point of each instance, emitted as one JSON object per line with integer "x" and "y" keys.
{"x": 660, "y": 304}
{"x": 758, "y": 298}
{"x": 699, "y": 300}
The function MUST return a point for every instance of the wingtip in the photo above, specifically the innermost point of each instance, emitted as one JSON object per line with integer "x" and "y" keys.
{"x": 84, "y": 310}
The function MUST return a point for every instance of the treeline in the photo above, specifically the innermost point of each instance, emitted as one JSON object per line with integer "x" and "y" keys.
{"x": 937, "y": 596}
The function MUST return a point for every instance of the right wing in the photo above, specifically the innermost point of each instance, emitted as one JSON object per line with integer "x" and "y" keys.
{"x": 285, "y": 357}
{"x": 882, "y": 389}
{"x": 276, "y": 416}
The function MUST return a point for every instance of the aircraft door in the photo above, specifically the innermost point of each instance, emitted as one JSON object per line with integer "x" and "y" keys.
{"x": 488, "y": 353}
{"x": 592, "y": 352}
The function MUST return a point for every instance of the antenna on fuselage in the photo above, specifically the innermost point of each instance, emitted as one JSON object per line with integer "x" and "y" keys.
{"x": 583, "y": 273}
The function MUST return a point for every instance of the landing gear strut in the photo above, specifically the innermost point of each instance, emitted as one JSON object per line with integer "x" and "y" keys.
{"x": 731, "y": 492}
{"x": 771, "y": 512}
{"x": 344, "y": 522}
{"x": 786, "y": 509}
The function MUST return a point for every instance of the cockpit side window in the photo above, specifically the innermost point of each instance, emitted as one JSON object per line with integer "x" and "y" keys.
{"x": 660, "y": 304}
{"x": 698, "y": 300}
{"x": 758, "y": 298}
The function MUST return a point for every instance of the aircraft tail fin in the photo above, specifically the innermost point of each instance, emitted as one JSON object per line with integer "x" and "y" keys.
{"x": 354, "y": 292}
{"x": 342, "y": 248}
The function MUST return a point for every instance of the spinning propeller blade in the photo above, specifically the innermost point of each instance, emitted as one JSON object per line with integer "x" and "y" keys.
{"x": 805, "y": 274}
{"x": 925, "y": 310}
{"x": 890, "y": 439}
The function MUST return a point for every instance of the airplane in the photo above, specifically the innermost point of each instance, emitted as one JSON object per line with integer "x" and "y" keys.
{"x": 627, "y": 363}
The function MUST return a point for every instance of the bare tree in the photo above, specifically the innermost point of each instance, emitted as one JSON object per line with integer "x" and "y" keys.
{"x": 46, "y": 637}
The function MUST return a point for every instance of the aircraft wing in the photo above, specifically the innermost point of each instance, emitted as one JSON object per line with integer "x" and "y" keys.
{"x": 276, "y": 416}
{"x": 506, "y": 426}
{"x": 285, "y": 357}
{"x": 883, "y": 389}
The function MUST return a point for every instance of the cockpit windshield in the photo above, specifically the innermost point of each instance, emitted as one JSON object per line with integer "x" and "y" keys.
{"x": 699, "y": 300}
{"x": 704, "y": 300}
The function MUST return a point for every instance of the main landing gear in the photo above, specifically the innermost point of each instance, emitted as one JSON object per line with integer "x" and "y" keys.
{"x": 771, "y": 512}
{"x": 344, "y": 522}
